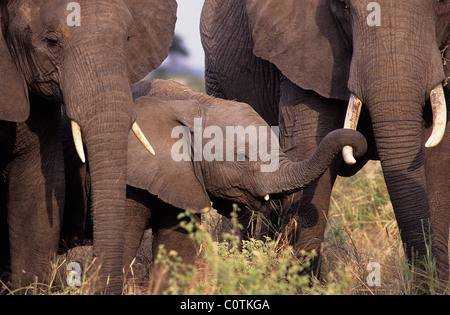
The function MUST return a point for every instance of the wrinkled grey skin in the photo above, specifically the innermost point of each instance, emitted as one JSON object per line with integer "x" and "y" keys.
{"x": 296, "y": 64}
{"x": 159, "y": 187}
{"x": 46, "y": 61}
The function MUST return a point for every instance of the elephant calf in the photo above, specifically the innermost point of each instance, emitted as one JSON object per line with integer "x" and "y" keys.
{"x": 205, "y": 148}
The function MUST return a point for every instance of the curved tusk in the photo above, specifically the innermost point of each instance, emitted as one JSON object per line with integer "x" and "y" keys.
{"x": 351, "y": 122}
{"x": 140, "y": 135}
{"x": 77, "y": 139}
{"x": 439, "y": 107}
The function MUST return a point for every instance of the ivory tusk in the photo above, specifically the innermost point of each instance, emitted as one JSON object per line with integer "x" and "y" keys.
{"x": 140, "y": 135}
{"x": 351, "y": 122}
{"x": 77, "y": 139}
{"x": 439, "y": 107}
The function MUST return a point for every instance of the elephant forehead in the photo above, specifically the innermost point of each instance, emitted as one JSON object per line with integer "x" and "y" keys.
{"x": 56, "y": 15}
{"x": 53, "y": 15}
{"x": 229, "y": 113}
{"x": 38, "y": 12}
{"x": 163, "y": 111}
{"x": 52, "y": 10}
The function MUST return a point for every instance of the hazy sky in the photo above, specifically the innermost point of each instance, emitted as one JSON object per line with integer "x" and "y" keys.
{"x": 188, "y": 28}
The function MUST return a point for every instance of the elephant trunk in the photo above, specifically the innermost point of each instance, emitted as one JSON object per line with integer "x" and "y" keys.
{"x": 294, "y": 176}
{"x": 100, "y": 103}
{"x": 395, "y": 103}
{"x": 397, "y": 118}
{"x": 399, "y": 146}
{"x": 106, "y": 141}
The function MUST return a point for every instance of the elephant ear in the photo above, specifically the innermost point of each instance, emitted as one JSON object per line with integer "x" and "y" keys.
{"x": 14, "y": 103}
{"x": 303, "y": 39}
{"x": 151, "y": 35}
{"x": 179, "y": 183}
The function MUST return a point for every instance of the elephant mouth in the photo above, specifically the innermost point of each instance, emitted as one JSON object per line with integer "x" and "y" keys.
{"x": 78, "y": 140}
{"x": 439, "y": 108}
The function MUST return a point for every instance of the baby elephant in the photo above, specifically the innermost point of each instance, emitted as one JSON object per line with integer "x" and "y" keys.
{"x": 206, "y": 149}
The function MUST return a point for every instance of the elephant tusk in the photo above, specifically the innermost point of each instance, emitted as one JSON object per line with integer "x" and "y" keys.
{"x": 351, "y": 122}
{"x": 439, "y": 107}
{"x": 140, "y": 135}
{"x": 76, "y": 133}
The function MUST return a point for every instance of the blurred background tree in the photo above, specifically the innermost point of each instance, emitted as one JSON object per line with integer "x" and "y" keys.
{"x": 178, "y": 48}
{"x": 176, "y": 67}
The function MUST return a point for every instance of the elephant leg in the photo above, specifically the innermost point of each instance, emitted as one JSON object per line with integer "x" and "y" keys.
{"x": 137, "y": 216}
{"x": 305, "y": 119}
{"x": 168, "y": 232}
{"x": 436, "y": 160}
{"x": 35, "y": 196}
{"x": 4, "y": 239}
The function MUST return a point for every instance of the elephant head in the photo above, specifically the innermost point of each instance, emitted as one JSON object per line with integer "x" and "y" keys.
{"x": 385, "y": 55}
{"x": 86, "y": 55}
{"x": 198, "y": 156}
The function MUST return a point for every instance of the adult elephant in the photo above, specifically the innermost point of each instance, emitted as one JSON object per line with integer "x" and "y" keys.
{"x": 300, "y": 61}
{"x": 209, "y": 150}
{"x": 84, "y": 55}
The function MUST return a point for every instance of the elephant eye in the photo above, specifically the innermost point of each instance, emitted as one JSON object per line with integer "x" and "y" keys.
{"x": 51, "y": 40}
{"x": 344, "y": 5}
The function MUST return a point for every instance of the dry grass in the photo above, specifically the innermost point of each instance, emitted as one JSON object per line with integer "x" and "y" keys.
{"x": 362, "y": 229}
